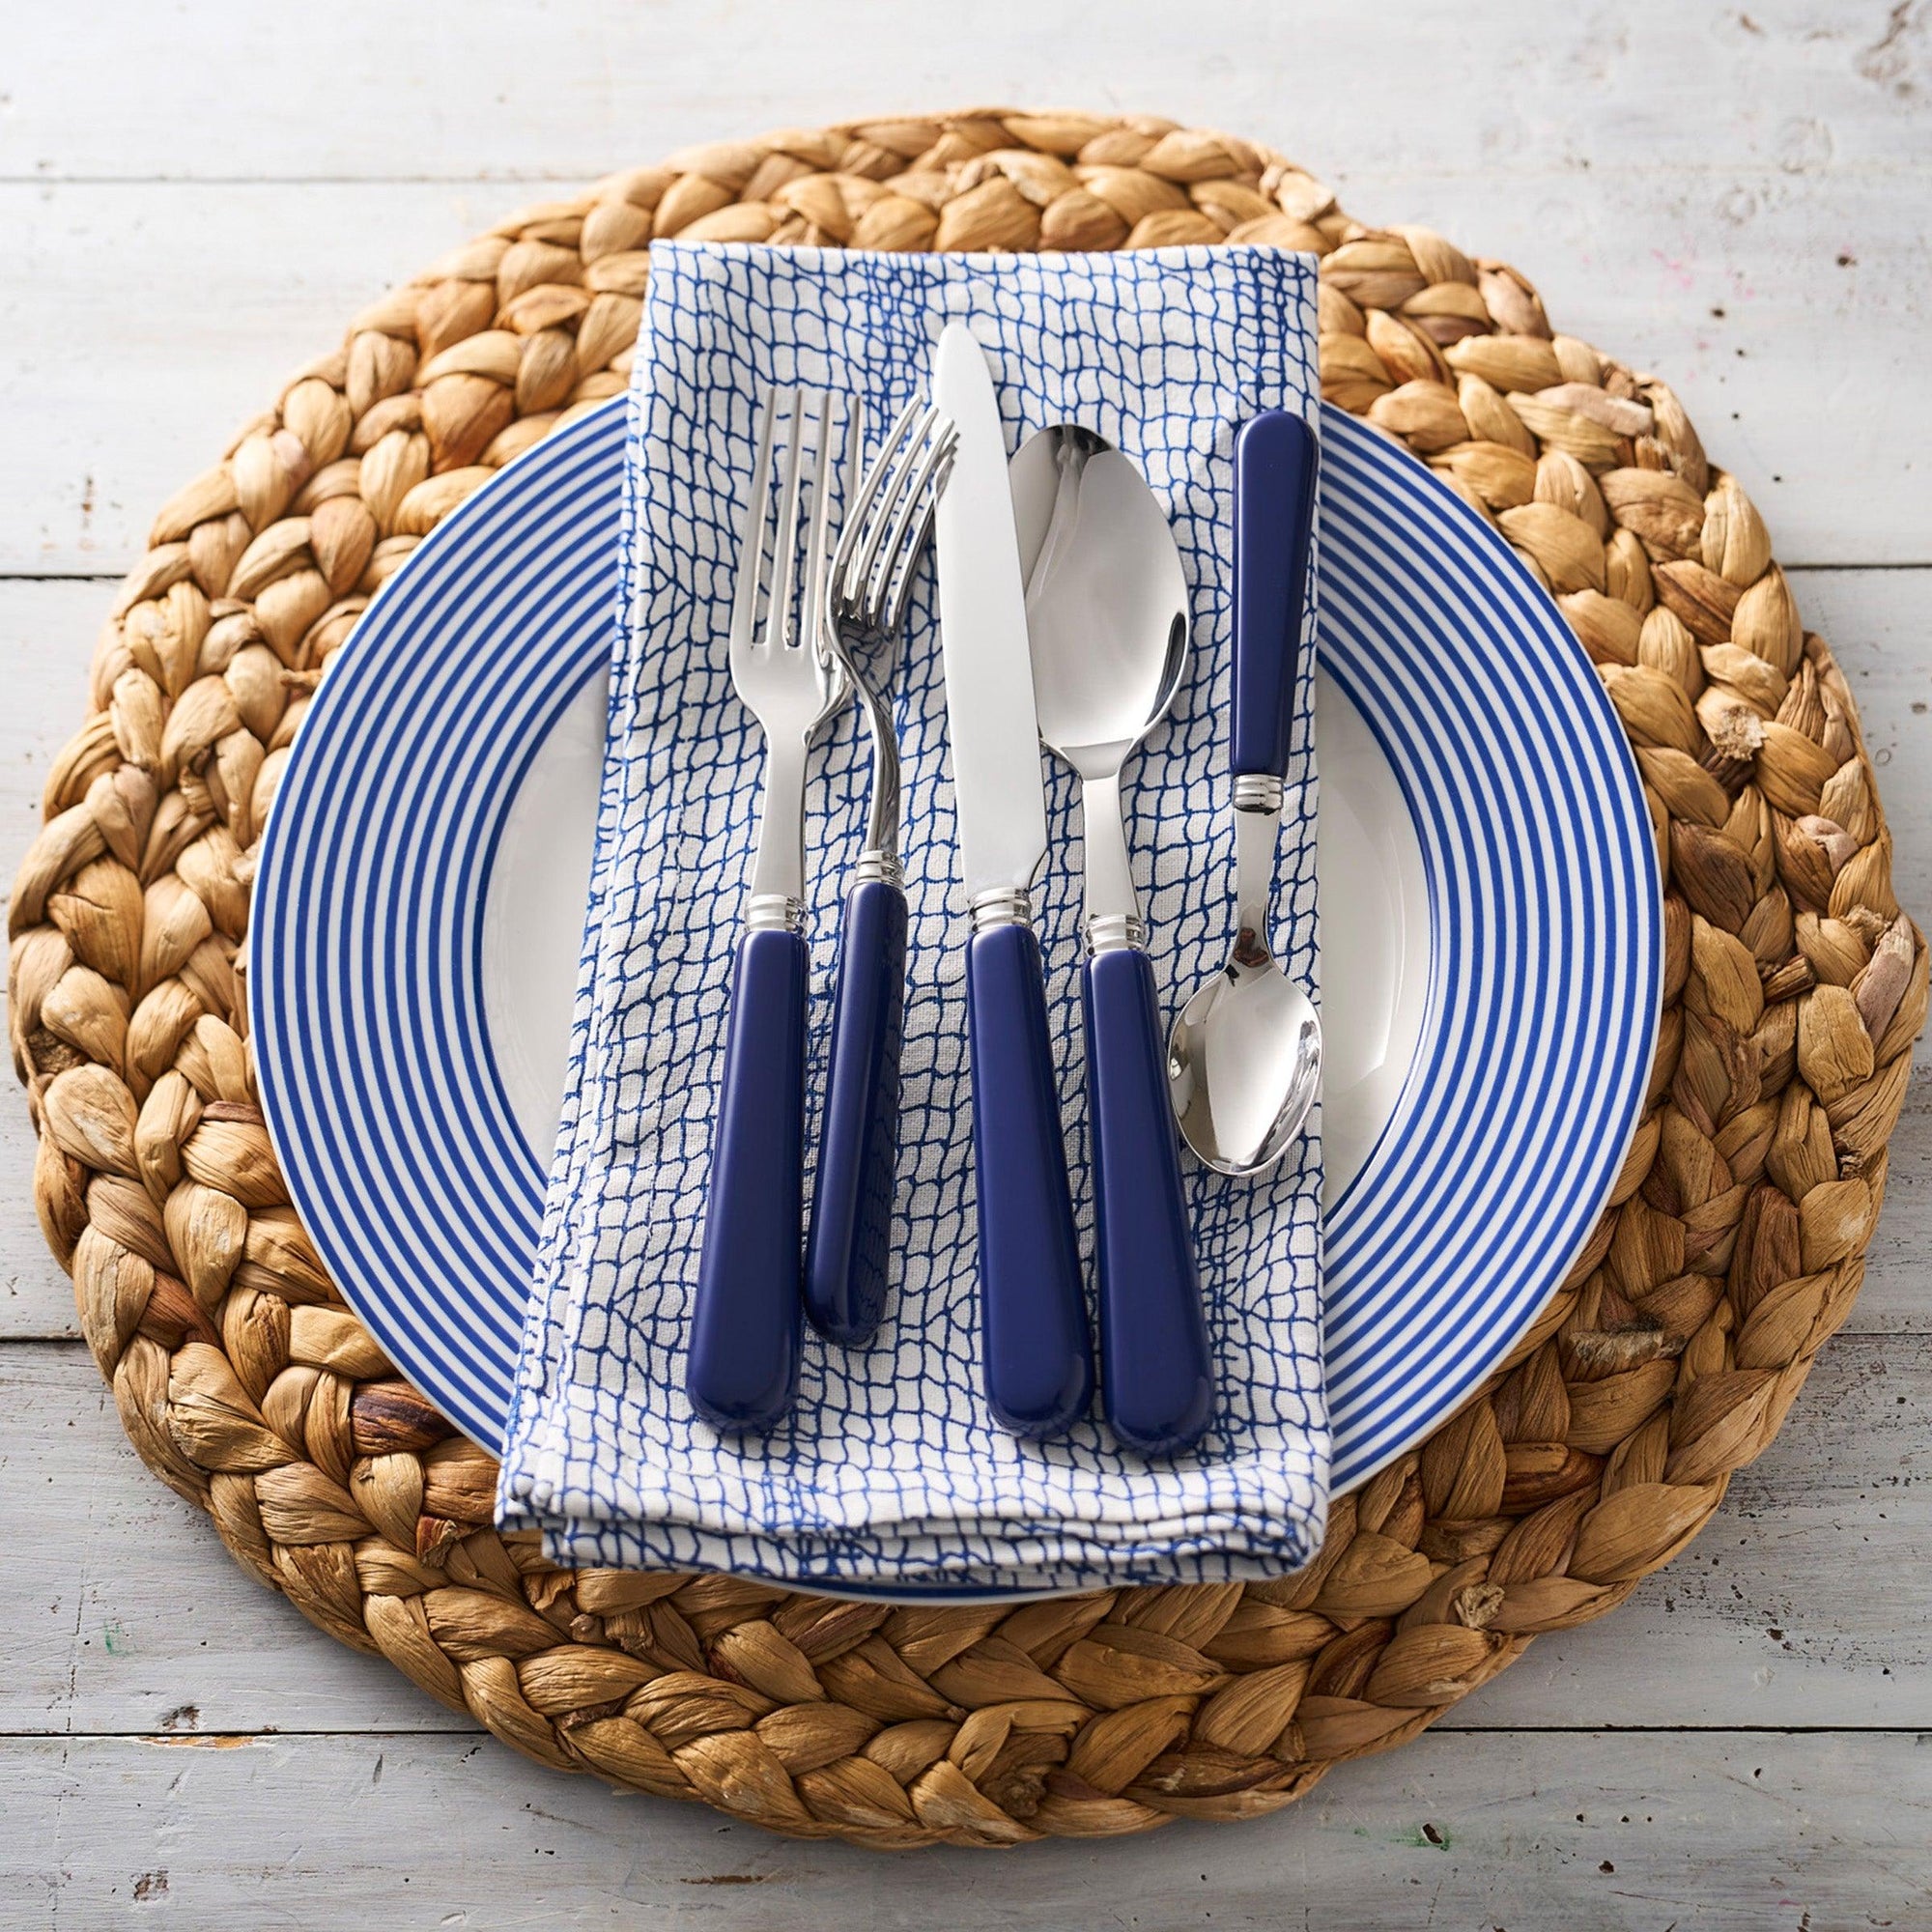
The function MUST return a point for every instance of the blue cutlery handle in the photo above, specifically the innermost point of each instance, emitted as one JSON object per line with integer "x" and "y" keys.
{"x": 1275, "y": 459}
{"x": 1156, "y": 1381}
{"x": 848, "y": 1251}
{"x": 1032, "y": 1309}
{"x": 743, "y": 1364}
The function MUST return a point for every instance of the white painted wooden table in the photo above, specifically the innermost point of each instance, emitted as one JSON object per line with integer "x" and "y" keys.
{"x": 192, "y": 201}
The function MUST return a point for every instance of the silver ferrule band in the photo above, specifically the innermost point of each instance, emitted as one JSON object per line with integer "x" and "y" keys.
{"x": 1114, "y": 932}
{"x": 873, "y": 864}
{"x": 774, "y": 912}
{"x": 1004, "y": 905}
{"x": 1257, "y": 791}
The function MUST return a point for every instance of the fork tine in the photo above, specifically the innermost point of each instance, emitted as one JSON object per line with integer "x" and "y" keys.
{"x": 827, "y": 481}
{"x": 824, "y": 479}
{"x": 751, "y": 533}
{"x": 891, "y": 583}
{"x": 902, "y": 593}
{"x": 860, "y": 491}
{"x": 855, "y": 453}
{"x": 781, "y": 617}
{"x": 824, "y": 601}
{"x": 871, "y": 517}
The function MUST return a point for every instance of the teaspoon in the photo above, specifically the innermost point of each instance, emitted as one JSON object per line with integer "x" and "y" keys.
{"x": 1244, "y": 1060}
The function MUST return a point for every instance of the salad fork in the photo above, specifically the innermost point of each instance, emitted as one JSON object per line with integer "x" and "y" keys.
{"x": 885, "y": 531}
{"x": 742, "y": 1365}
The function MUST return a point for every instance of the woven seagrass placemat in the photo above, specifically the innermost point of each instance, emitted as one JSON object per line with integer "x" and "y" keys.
{"x": 1736, "y": 1241}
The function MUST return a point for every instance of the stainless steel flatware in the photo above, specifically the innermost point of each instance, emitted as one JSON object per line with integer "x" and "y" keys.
{"x": 1106, "y": 603}
{"x": 883, "y": 532}
{"x": 742, "y": 1365}
{"x": 1245, "y": 1054}
{"x": 1037, "y": 1358}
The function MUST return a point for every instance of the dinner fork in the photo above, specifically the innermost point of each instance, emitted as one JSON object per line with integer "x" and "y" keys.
{"x": 886, "y": 528}
{"x": 742, "y": 1365}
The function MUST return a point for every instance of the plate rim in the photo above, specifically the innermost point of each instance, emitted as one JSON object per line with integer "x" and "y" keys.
{"x": 581, "y": 439}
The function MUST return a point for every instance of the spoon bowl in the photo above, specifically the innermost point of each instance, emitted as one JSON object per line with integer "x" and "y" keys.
{"x": 1106, "y": 598}
{"x": 1244, "y": 1064}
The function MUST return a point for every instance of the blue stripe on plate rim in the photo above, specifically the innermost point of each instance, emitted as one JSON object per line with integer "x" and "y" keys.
{"x": 395, "y": 1133}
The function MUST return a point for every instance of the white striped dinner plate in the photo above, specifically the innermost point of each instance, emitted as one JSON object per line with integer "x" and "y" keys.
{"x": 1491, "y": 926}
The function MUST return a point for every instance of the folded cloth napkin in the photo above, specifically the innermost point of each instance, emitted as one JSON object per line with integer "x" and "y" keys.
{"x": 890, "y": 1476}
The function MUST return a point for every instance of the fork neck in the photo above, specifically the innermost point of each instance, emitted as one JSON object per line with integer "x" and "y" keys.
{"x": 775, "y": 895}
{"x": 880, "y": 859}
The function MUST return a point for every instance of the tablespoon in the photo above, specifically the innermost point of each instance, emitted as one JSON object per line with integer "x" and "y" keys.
{"x": 1107, "y": 614}
{"x": 1244, "y": 1060}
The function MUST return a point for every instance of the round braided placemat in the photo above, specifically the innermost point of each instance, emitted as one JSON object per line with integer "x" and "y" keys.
{"x": 1793, "y": 991}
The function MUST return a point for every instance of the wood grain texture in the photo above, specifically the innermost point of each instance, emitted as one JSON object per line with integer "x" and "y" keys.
{"x": 1503, "y": 90}
{"x": 1612, "y": 1831}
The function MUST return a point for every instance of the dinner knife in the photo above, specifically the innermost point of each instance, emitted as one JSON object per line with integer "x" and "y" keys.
{"x": 1038, "y": 1359}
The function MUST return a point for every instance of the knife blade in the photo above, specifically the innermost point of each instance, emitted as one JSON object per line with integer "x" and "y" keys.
{"x": 989, "y": 707}
{"x": 1035, "y": 1354}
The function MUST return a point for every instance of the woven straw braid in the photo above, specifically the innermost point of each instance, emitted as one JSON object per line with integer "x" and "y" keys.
{"x": 1793, "y": 991}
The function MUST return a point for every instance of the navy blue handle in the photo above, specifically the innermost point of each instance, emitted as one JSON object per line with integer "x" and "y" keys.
{"x": 1156, "y": 1381}
{"x": 1033, "y": 1308}
{"x": 848, "y": 1251}
{"x": 743, "y": 1364}
{"x": 1274, "y": 513}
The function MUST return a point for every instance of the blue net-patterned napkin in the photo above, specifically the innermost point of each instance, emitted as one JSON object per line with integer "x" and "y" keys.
{"x": 889, "y": 1473}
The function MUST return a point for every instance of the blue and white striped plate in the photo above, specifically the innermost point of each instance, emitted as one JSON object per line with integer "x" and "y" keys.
{"x": 1491, "y": 909}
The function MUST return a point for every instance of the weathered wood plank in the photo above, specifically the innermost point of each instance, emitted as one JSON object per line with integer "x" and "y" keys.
{"x": 124, "y": 1612}
{"x": 1717, "y": 1831}
{"x": 46, "y": 634}
{"x": 1808, "y": 1601}
{"x": 1514, "y": 88}
{"x": 1727, "y": 282}
{"x": 46, "y": 638}
{"x": 1808, "y": 1598}
{"x": 36, "y": 1298}
{"x": 143, "y": 326}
